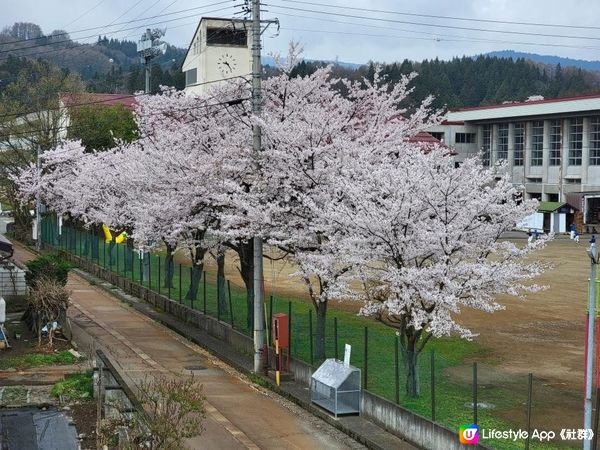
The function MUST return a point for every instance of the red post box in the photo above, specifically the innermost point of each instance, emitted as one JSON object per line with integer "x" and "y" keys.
{"x": 280, "y": 331}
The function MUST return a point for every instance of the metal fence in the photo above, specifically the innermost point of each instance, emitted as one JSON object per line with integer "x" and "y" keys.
{"x": 454, "y": 387}
{"x": 12, "y": 280}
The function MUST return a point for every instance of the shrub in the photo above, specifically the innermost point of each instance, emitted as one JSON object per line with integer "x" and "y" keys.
{"x": 51, "y": 267}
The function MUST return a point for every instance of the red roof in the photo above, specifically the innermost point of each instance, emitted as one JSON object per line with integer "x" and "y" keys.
{"x": 453, "y": 122}
{"x": 427, "y": 140}
{"x": 88, "y": 98}
{"x": 534, "y": 102}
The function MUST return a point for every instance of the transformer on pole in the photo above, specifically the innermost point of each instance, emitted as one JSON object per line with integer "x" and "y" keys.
{"x": 149, "y": 47}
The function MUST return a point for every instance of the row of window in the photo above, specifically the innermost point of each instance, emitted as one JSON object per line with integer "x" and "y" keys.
{"x": 555, "y": 146}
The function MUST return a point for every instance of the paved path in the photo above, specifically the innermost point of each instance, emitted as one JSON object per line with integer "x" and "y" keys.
{"x": 239, "y": 415}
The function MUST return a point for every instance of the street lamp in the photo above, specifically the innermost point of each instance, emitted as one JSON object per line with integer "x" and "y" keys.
{"x": 589, "y": 357}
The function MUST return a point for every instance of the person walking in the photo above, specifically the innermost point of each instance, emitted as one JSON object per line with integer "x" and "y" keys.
{"x": 530, "y": 236}
{"x": 573, "y": 231}
{"x": 593, "y": 240}
{"x": 576, "y": 237}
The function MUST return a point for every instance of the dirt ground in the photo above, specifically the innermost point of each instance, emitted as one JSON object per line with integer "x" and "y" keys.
{"x": 543, "y": 334}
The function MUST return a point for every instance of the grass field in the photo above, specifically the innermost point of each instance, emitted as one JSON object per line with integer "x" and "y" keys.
{"x": 501, "y": 395}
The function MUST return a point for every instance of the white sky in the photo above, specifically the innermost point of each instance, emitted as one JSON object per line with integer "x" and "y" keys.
{"x": 369, "y": 40}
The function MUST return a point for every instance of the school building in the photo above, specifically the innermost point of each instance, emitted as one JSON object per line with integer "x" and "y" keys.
{"x": 552, "y": 147}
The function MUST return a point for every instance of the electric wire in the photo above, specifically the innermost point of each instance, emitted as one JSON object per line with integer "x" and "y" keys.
{"x": 422, "y": 24}
{"x": 435, "y": 16}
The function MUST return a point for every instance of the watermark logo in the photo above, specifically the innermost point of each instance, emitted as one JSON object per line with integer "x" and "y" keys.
{"x": 468, "y": 434}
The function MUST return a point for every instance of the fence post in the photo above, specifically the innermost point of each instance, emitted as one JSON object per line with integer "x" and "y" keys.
{"x": 432, "y": 385}
{"x": 158, "y": 285}
{"x": 290, "y": 327}
{"x": 335, "y": 338}
{"x": 595, "y": 438}
{"x": 218, "y": 299}
{"x": 366, "y": 358}
{"x": 475, "y": 393}
{"x": 180, "y": 283}
{"x": 310, "y": 335}
{"x": 140, "y": 266}
{"x": 149, "y": 270}
{"x": 396, "y": 369}
{"x": 117, "y": 248}
{"x": 204, "y": 290}
{"x": 270, "y": 320}
{"x": 529, "y": 399}
{"x": 104, "y": 253}
{"x": 195, "y": 285}
{"x": 230, "y": 303}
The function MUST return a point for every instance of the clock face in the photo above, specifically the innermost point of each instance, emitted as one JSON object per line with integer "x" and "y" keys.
{"x": 227, "y": 64}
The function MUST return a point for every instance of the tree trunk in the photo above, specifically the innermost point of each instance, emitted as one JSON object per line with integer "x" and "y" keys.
{"x": 413, "y": 385}
{"x": 169, "y": 266}
{"x": 95, "y": 243}
{"x": 221, "y": 282}
{"x": 321, "y": 308}
{"x": 129, "y": 255}
{"x": 245, "y": 251}
{"x": 111, "y": 247}
{"x": 197, "y": 256}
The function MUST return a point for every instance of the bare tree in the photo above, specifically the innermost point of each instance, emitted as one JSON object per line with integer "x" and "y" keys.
{"x": 48, "y": 303}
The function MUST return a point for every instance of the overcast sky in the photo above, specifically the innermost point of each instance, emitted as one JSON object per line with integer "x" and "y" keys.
{"x": 352, "y": 39}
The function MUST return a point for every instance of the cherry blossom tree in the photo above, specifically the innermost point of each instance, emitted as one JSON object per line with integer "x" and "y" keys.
{"x": 425, "y": 239}
{"x": 310, "y": 130}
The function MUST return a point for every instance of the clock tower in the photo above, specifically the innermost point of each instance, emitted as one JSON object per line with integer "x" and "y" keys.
{"x": 221, "y": 48}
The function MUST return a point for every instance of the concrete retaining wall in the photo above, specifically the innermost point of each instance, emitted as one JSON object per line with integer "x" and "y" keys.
{"x": 394, "y": 418}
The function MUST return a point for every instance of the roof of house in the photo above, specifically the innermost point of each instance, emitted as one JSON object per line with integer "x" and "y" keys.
{"x": 550, "y": 206}
{"x": 71, "y": 100}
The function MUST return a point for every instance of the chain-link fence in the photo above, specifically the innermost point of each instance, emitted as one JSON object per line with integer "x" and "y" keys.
{"x": 446, "y": 382}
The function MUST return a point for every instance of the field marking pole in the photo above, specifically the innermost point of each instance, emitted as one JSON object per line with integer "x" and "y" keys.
{"x": 589, "y": 366}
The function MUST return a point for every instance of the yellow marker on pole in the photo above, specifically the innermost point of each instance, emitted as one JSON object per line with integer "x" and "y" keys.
{"x": 277, "y": 371}
{"x": 107, "y": 234}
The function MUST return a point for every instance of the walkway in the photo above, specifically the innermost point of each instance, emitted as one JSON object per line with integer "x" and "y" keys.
{"x": 239, "y": 415}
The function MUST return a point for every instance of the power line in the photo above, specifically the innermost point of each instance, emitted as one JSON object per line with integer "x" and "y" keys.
{"x": 45, "y": 44}
{"x": 84, "y": 14}
{"x": 434, "y": 16}
{"x": 123, "y": 23}
{"x": 437, "y": 38}
{"x": 454, "y": 27}
{"x": 96, "y": 102}
{"x": 84, "y": 46}
{"x": 226, "y": 103}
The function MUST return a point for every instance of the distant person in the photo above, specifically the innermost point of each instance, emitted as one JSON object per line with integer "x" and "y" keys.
{"x": 530, "y": 236}
{"x": 593, "y": 240}
{"x": 536, "y": 234}
{"x": 573, "y": 230}
{"x": 576, "y": 237}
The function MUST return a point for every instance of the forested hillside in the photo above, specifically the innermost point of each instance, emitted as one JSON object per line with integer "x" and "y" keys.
{"x": 112, "y": 65}
{"x": 480, "y": 80}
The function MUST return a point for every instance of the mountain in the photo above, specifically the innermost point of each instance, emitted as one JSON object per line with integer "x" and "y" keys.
{"x": 270, "y": 61}
{"x": 548, "y": 59}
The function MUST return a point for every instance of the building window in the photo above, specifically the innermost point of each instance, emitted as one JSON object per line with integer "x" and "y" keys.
{"x": 519, "y": 143}
{"x": 439, "y": 135}
{"x": 226, "y": 36}
{"x": 555, "y": 142}
{"x": 537, "y": 143}
{"x": 575, "y": 141}
{"x": 191, "y": 77}
{"x": 503, "y": 142}
{"x": 486, "y": 145}
{"x": 465, "y": 138}
{"x": 595, "y": 141}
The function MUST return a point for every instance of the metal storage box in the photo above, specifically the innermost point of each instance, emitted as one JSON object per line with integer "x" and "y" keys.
{"x": 336, "y": 387}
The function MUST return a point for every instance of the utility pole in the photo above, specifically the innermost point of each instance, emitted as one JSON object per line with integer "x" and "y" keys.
{"x": 259, "y": 329}
{"x": 38, "y": 224}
